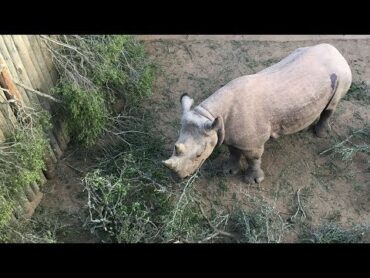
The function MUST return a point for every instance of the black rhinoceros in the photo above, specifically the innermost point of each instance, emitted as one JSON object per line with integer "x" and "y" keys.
{"x": 282, "y": 99}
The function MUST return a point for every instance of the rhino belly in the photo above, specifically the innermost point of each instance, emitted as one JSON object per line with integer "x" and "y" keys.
{"x": 298, "y": 117}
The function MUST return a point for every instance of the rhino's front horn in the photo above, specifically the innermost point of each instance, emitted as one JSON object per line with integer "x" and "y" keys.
{"x": 169, "y": 163}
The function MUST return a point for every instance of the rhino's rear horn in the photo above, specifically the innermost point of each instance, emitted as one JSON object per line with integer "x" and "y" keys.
{"x": 186, "y": 102}
{"x": 179, "y": 148}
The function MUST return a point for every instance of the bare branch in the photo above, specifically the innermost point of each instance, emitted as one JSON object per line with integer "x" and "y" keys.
{"x": 70, "y": 166}
{"x": 217, "y": 231}
{"x": 300, "y": 207}
{"x": 38, "y": 92}
{"x": 63, "y": 44}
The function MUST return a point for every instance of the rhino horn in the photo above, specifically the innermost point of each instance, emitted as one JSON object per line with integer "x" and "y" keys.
{"x": 180, "y": 148}
{"x": 186, "y": 102}
{"x": 169, "y": 163}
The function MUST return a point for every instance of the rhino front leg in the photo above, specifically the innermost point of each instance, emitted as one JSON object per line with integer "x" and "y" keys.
{"x": 322, "y": 127}
{"x": 232, "y": 166}
{"x": 254, "y": 173}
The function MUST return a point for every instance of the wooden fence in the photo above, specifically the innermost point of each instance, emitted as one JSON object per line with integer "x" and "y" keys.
{"x": 26, "y": 69}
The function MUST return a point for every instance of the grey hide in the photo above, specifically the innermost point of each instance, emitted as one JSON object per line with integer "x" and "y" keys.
{"x": 282, "y": 99}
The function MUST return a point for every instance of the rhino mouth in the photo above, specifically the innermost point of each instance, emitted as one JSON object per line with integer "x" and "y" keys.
{"x": 180, "y": 175}
{"x": 192, "y": 173}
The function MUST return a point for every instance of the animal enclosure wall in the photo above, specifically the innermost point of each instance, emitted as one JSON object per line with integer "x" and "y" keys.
{"x": 27, "y": 76}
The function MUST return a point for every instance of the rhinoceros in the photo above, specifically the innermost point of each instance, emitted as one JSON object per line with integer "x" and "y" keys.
{"x": 245, "y": 113}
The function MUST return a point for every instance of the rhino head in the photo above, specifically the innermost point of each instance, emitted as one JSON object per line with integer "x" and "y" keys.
{"x": 199, "y": 135}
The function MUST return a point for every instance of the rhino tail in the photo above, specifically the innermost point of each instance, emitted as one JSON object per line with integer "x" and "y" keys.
{"x": 334, "y": 86}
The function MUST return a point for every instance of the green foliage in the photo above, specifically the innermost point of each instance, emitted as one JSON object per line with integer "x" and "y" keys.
{"x": 130, "y": 196}
{"x": 21, "y": 162}
{"x": 124, "y": 67}
{"x": 86, "y": 114}
{"x": 40, "y": 229}
{"x": 6, "y": 211}
{"x": 22, "y": 156}
{"x": 333, "y": 233}
{"x": 260, "y": 224}
{"x": 121, "y": 209}
{"x": 359, "y": 91}
{"x": 28, "y": 154}
{"x": 347, "y": 148}
{"x": 96, "y": 71}
{"x": 185, "y": 221}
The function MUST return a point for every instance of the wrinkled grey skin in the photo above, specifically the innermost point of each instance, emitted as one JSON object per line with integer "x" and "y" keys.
{"x": 244, "y": 114}
{"x": 198, "y": 138}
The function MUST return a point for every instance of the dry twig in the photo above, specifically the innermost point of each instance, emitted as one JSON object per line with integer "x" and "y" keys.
{"x": 217, "y": 231}
{"x": 38, "y": 92}
{"x": 299, "y": 208}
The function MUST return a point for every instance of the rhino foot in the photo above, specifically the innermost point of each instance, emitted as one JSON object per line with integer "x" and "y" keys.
{"x": 254, "y": 176}
{"x": 322, "y": 131}
{"x": 322, "y": 128}
{"x": 231, "y": 167}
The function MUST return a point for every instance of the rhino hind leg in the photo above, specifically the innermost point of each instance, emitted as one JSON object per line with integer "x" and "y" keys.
{"x": 322, "y": 127}
{"x": 232, "y": 165}
{"x": 254, "y": 173}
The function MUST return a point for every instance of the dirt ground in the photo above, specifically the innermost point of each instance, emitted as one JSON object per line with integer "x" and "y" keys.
{"x": 333, "y": 188}
{"x": 64, "y": 201}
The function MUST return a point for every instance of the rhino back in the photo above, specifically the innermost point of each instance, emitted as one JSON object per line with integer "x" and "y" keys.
{"x": 299, "y": 88}
{"x": 283, "y": 98}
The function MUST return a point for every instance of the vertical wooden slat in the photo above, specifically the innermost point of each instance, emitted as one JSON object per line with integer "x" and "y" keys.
{"x": 47, "y": 57}
{"x": 58, "y": 136}
{"x": 24, "y": 78}
{"x": 60, "y": 131}
{"x": 29, "y": 193}
{"x": 30, "y": 63}
{"x": 29, "y": 60}
{"x": 32, "y": 44}
{"x": 35, "y": 187}
{"x": 31, "y": 206}
{"x": 54, "y": 145}
{"x": 20, "y": 74}
{"x": 2, "y": 136}
{"x": 6, "y": 82}
{"x": 22, "y": 42}
{"x": 22, "y": 59}
{"x": 18, "y": 210}
{"x": 45, "y": 84}
{"x": 6, "y": 128}
{"x": 23, "y": 201}
{"x": 8, "y": 119}
{"x": 27, "y": 80}
{"x": 37, "y": 40}
{"x": 13, "y": 71}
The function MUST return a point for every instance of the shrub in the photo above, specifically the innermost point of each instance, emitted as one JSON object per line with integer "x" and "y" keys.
{"x": 21, "y": 162}
{"x": 95, "y": 71}
{"x": 86, "y": 113}
{"x": 333, "y": 233}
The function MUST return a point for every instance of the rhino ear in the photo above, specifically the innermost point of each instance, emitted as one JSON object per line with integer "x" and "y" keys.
{"x": 186, "y": 102}
{"x": 218, "y": 126}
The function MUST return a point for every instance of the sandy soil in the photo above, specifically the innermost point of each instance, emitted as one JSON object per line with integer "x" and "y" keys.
{"x": 333, "y": 187}
{"x": 65, "y": 201}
